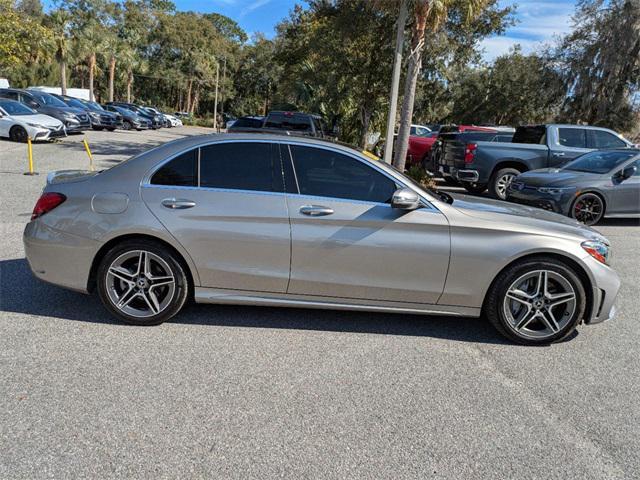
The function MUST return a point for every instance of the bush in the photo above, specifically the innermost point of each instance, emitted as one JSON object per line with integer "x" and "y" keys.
{"x": 419, "y": 174}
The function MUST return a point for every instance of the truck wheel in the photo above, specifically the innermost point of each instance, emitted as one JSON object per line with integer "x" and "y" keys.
{"x": 452, "y": 182}
{"x": 500, "y": 182}
{"x": 475, "y": 188}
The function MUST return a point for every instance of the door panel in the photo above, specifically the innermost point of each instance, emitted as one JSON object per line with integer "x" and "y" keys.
{"x": 625, "y": 196}
{"x": 367, "y": 250}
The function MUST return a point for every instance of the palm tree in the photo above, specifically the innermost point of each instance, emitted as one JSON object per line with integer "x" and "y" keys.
{"x": 112, "y": 47}
{"x": 91, "y": 41}
{"x": 427, "y": 14}
{"x": 59, "y": 21}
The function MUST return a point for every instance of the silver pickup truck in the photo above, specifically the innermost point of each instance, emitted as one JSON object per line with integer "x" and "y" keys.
{"x": 492, "y": 165}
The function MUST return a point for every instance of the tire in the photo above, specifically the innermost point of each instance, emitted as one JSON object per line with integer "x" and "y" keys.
{"x": 523, "y": 316}
{"x": 18, "y": 134}
{"x": 111, "y": 129}
{"x": 127, "y": 125}
{"x": 588, "y": 208}
{"x": 475, "y": 188}
{"x": 149, "y": 296}
{"x": 500, "y": 181}
{"x": 452, "y": 182}
{"x": 97, "y": 128}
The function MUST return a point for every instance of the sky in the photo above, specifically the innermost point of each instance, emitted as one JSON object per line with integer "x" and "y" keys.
{"x": 538, "y": 21}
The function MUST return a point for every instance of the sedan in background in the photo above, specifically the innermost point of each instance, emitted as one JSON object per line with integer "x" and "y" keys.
{"x": 19, "y": 122}
{"x": 604, "y": 183}
{"x": 130, "y": 119}
{"x": 100, "y": 118}
{"x": 287, "y": 221}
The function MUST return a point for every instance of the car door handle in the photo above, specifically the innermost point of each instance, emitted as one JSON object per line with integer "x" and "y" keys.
{"x": 315, "y": 210}
{"x": 178, "y": 203}
{"x": 558, "y": 154}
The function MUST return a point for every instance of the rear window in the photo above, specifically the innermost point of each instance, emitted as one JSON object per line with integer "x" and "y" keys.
{"x": 534, "y": 135}
{"x": 247, "y": 123}
{"x": 289, "y": 121}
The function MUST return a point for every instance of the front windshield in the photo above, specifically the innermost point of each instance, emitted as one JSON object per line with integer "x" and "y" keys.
{"x": 600, "y": 161}
{"x": 15, "y": 108}
{"x": 49, "y": 100}
{"x": 96, "y": 107}
{"x": 72, "y": 102}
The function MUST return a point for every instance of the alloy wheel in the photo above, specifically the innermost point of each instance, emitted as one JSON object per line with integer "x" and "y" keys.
{"x": 502, "y": 184}
{"x": 140, "y": 283}
{"x": 539, "y": 304}
{"x": 588, "y": 209}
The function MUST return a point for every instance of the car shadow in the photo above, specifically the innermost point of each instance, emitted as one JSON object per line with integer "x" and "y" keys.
{"x": 21, "y": 292}
{"x": 618, "y": 222}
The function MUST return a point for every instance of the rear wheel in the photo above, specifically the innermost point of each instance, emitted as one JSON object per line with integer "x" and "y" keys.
{"x": 127, "y": 125}
{"x": 536, "y": 301}
{"x": 18, "y": 134}
{"x": 111, "y": 129}
{"x": 500, "y": 182}
{"x": 588, "y": 208}
{"x": 142, "y": 283}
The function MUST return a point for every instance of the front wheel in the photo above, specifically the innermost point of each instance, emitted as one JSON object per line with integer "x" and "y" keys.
{"x": 500, "y": 181}
{"x": 142, "y": 283}
{"x": 18, "y": 134}
{"x": 127, "y": 125}
{"x": 536, "y": 301}
{"x": 588, "y": 208}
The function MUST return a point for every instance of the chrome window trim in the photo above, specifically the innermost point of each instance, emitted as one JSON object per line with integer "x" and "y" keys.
{"x": 146, "y": 179}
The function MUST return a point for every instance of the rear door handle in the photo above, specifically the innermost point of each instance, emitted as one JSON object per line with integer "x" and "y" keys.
{"x": 315, "y": 210}
{"x": 178, "y": 203}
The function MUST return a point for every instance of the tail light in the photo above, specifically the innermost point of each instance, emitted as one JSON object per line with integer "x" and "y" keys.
{"x": 470, "y": 153}
{"x": 47, "y": 202}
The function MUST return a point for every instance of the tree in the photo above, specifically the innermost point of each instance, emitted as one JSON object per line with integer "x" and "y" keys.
{"x": 59, "y": 21}
{"x": 427, "y": 14}
{"x": 600, "y": 63}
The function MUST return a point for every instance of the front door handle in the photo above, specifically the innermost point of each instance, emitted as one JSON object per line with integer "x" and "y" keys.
{"x": 315, "y": 210}
{"x": 178, "y": 203}
{"x": 558, "y": 154}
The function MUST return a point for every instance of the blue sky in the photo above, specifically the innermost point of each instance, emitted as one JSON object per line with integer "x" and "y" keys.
{"x": 538, "y": 21}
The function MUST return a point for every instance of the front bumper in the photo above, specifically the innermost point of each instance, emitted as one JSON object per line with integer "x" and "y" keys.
{"x": 75, "y": 126}
{"x": 605, "y": 284}
{"x": 531, "y": 196}
{"x": 58, "y": 257}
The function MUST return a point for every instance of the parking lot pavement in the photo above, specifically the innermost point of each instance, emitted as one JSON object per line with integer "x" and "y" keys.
{"x": 248, "y": 392}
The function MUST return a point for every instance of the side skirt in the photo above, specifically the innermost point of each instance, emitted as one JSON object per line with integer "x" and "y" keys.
{"x": 240, "y": 297}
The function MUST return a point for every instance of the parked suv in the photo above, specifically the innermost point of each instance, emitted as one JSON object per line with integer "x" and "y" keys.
{"x": 130, "y": 119}
{"x": 157, "y": 120}
{"x": 480, "y": 165}
{"x": 306, "y": 124}
{"x": 100, "y": 118}
{"x": 74, "y": 119}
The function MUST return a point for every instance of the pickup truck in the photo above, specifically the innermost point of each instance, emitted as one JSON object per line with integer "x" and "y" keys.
{"x": 297, "y": 123}
{"x": 493, "y": 165}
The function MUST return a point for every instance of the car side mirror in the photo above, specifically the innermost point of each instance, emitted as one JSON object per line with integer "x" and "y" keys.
{"x": 626, "y": 173}
{"x": 405, "y": 199}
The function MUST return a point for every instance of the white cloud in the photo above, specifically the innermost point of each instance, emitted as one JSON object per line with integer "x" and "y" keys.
{"x": 254, "y": 5}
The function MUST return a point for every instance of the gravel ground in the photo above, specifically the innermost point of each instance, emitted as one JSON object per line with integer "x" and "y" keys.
{"x": 248, "y": 392}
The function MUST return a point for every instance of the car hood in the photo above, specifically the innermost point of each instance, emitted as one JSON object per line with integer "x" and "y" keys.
{"x": 555, "y": 177}
{"x": 515, "y": 215}
{"x": 38, "y": 119}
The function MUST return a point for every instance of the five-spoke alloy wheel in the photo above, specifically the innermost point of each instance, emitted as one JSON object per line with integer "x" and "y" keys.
{"x": 537, "y": 301}
{"x": 142, "y": 283}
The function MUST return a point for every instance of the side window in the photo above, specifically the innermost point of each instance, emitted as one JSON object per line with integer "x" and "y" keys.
{"x": 572, "y": 137}
{"x": 241, "y": 166}
{"x": 412, "y": 131}
{"x": 182, "y": 171}
{"x": 602, "y": 139}
{"x": 10, "y": 95}
{"x": 637, "y": 165}
{"x": 329, "y": 174}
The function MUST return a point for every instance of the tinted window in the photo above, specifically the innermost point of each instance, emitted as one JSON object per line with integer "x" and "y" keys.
{"x": 15, "y": 108}
{"x": 289, "y": 121}
{"x": 11, "y": 95}
{"x": 329, "y": 174}
{"x": 248, "y": 122}
{"x": 241, "y": 166}
{"x": 47, "y": 99}
{"x": 181, "y": 171}
{"x": 599, "y": 162}
{"x": 602, "y": 139}
{"x": 572, "y": 137}
{"x": 477, "y": 136}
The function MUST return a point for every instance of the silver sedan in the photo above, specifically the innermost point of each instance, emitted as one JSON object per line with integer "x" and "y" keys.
{"x": 285, "y": 221}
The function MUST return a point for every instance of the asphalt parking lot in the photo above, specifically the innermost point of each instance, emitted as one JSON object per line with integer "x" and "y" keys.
{"x": 248, "y": 392}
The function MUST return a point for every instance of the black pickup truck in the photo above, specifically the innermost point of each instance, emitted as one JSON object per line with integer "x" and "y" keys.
{"x": 297, "y": 123}
{"x": 493, "y": 165}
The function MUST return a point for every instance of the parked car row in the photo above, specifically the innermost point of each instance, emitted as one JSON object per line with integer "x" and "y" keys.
{"x": 41, "y": 115}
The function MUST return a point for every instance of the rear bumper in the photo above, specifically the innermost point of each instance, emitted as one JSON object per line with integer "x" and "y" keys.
{"x": 58, "y": 257}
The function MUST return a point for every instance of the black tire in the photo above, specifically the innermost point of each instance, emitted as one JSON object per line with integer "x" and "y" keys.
{"x": 588, "y": 208}
{"x": 475, "y": 188}
{"x": 497, "y": 187}
{"x": 127, "y": 125}
{"x": 168, "y": 299}
{"x": 496, "y": 307}
{"x": 18, "y": 134}
{"x": 111, "y": 129}
{"x": 452, "y": 182}
{"x": 97, "y": 128}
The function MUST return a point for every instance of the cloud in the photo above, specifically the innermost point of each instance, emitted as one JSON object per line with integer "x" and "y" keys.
{"x": 252, "y": 6}
{"x": 539, "y": 22}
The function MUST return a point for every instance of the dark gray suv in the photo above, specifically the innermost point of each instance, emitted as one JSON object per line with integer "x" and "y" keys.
{"x": 74, "y": 119}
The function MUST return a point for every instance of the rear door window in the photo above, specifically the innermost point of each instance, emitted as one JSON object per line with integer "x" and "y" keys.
{"x": 572, "y": 137}
{"x": 251, "y": 166}
{"x": 182, "y": 171}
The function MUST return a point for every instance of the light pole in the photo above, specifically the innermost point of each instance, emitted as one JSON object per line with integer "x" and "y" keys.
{"x": 215, "y": 102}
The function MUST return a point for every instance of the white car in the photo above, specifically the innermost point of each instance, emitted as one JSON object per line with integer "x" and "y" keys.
{"x": 175, "y": 121}
{"x": 19, "y": 122}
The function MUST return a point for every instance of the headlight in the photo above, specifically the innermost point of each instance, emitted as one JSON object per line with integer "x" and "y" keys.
{"x": 94, "y": 115}
{"x": 35, "y": 125}
{"x": 597, "y": 249}
{"x": 553, "y": 190}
